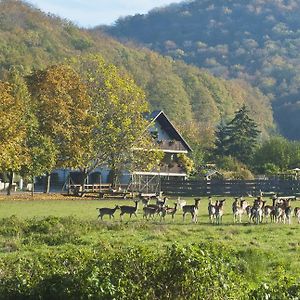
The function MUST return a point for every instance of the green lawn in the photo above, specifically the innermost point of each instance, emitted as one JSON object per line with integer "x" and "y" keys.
{"x": 272, "y": 245}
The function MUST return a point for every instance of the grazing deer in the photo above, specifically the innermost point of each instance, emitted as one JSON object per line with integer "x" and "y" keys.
{"x": 149, "y": 212}
{"x": 220, "y": 211}
{"x": 192, "y": 209}
{"x": 297, "y": 213}
{"x": 107, "y": 211}
{"x": 168, "y": 211}
{"x": 130, "y": 210}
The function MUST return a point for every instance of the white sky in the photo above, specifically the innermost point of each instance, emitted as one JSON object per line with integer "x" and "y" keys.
{"x": 89, "y": 13}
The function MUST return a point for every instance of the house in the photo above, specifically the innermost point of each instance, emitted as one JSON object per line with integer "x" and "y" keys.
{"x": 171, "y": 142}
{"x": 168, "y": 139}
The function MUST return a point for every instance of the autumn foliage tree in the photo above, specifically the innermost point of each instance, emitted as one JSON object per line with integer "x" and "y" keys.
{"x": 12, "y": 132}
{"x": 62, "y": 107}
{"x": 118, "y": 106}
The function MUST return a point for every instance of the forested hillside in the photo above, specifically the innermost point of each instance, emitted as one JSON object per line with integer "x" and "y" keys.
{"x": 33, "y": 39}
{"x": 254, "y": 40}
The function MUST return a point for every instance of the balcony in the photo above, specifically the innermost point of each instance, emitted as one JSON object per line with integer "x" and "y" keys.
{"x": 171, "y": 145}
{"x": 172, "y": 168}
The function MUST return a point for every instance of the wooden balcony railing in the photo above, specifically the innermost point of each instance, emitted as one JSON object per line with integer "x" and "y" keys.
{"x": 171, "y": 145}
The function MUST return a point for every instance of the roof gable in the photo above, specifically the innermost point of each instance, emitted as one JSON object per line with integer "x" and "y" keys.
{"x": 160, "y": 117}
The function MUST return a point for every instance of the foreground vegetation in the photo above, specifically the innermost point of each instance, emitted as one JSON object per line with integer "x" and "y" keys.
{"x": 56, "y": 247}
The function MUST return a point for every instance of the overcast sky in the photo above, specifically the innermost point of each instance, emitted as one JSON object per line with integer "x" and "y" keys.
{"x": 89, "y": 13}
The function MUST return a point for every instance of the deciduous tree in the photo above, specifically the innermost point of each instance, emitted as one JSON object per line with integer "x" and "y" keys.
{"x": 63, "y": 113}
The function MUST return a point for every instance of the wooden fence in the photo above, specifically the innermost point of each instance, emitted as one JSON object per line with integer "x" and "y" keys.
{"x": 229, "y": 187}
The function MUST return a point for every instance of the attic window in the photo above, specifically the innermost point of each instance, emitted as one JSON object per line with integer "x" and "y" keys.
{"x": 154, "y": 134}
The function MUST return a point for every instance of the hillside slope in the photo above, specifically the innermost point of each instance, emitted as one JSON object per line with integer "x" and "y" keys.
{"x": 33, "y": 39}
{"x": 254, "y": 40}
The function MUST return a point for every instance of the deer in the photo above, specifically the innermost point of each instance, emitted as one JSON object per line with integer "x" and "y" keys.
{"x": 168, "y": 211}
{"x": 287, "y": 215}
{"x": 248, "y": 210}
{"x": 283, "y": 211}
{"x": 145, "y": 201}
{"x": 107, "y": 211}
{"x": 149, "y": 212}
{"x": 269, "y": 210}
{"x": 257, "y": 210}
{"x": 161, "y": 203}
{"x": 130, "y": 210}
{"x": 180, "y": 203}
{"x": 191, "y": 209}
{"x": 220, "y": 211}
{"x": 212, "y": 210}
{"x": 297, "y": 213}
{"x": 238, "y": 209}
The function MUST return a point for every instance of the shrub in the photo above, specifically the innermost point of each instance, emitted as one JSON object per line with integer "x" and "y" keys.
{"x": 193, "y": 272}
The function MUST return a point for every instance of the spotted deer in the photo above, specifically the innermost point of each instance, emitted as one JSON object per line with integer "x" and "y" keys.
{"x": 269, "y": 211}
{"x": 168, "y": 211}
{"x": 192, "y": 209}
{"x": 212, "y": 210}
{"x": 238, "y": 209}
{"x": 220, "y": 211}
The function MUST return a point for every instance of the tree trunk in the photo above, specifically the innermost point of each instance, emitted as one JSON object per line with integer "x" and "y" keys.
{"x": 47, "y": 183}
{"x": 32, "y": 187}
{"x": 85, "y": 175}
{"x": 10, "y": 184}
{"x": 114, "y": 177}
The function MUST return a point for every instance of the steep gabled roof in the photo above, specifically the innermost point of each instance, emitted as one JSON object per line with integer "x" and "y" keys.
{"x": 163, "y": 120}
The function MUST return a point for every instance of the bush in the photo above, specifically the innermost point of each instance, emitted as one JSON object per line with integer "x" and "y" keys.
{"x": 194, "y": 272}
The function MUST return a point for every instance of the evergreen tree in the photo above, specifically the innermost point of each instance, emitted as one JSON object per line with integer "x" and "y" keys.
{"x": 222, "y": 139}
{"x": 243, "y": 136}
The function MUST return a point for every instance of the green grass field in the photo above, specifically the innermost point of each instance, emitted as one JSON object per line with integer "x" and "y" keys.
{"x": 279, "y": 240}
{"x": 57, "y": 223}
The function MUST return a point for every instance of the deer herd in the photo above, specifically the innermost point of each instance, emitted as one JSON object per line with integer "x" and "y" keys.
{"x": 257, "y": 212}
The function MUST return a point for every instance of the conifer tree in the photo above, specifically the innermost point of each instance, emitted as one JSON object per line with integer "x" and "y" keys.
{"x": 243, "y": 136}
{"x": 238, "y": 138}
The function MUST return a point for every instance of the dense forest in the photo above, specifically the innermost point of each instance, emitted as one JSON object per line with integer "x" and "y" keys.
{"x": 253, "y": 40}
{"x": 190, "y": 96}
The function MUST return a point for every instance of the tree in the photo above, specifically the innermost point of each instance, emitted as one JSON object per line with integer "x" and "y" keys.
{"x": 62, "y": 108}
{"x": 239, "y": 138}
{"x": 243, "y": 136}
{"x": 12, "y": 131}
{"x": 222, "y": 139}
{"x": 277, "y": 154}
{"x": 120, "y": 136}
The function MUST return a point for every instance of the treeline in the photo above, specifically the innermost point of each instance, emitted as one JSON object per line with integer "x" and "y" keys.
{"x": 187, "y": 94}
{"x": 238, "y": 152}
{"x": 256, "y": 41}
{"x": 81, "y": 115}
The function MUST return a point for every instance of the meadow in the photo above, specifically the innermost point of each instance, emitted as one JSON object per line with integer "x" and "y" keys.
{"x": 55, "y": 224}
